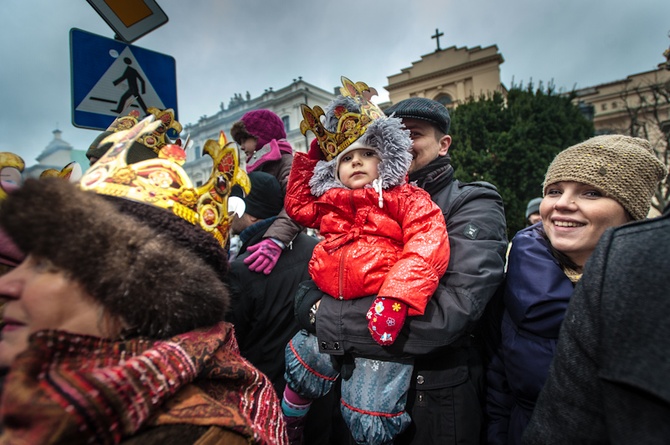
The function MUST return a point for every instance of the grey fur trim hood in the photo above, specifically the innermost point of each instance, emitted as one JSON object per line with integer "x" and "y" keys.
{"x": 387, "y": 135}
{"x": 141, "y": 274}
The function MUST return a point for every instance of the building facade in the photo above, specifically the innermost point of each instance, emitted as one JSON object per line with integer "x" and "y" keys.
{"x": 449, "y": 76}
{"x": 285, "y": 102}
{"x": 638, "y": 105}
{"x": 56, "y": 155}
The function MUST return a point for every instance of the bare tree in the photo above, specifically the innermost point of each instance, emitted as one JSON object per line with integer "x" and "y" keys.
{"x": 647, "y": 106}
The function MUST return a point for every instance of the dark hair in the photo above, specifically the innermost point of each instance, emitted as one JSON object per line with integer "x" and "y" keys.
{"x": 439, "y": 134}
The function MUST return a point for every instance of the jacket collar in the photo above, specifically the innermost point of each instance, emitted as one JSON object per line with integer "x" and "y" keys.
{"x": 434, "y": 176}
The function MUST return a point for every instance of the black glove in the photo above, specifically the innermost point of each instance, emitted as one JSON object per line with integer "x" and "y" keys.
{"x": 305, "y": 297}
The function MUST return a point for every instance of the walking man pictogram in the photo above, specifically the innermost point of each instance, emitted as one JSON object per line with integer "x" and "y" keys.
{"x": 131, "y": 76}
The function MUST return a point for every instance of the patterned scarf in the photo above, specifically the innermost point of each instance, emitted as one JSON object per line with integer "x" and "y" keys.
{"x": 74, "y": 389}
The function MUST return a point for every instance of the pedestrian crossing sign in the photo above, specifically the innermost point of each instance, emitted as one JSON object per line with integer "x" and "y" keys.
{"x": 110, "y": 77}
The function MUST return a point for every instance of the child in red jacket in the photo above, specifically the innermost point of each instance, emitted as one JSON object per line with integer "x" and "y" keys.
{"x": 382, "y": 237}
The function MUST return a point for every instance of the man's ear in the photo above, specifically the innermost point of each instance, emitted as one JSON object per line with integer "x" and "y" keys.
{"x": 445, "y": 143}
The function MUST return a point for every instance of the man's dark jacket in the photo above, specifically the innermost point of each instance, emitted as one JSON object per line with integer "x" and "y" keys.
{"x": 447, "y": 393}
{"x": 262, "y": 311}
{"x": 608, "y": 383}
{"x": 262, "y": 305}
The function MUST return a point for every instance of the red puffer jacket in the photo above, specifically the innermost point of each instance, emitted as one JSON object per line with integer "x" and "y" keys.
{"x": 399, "y": 250}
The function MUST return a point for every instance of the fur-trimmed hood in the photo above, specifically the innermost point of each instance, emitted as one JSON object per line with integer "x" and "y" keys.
{"x": 387, "y": 135}
{"x": 140, "y": 273}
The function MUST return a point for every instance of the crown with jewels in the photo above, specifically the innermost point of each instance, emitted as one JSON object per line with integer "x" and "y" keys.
{"x": 156, "y": 139}
{"x": 14, "y": 165}
{"x": 350, "y": 125}
{"x": 162, "y": 182}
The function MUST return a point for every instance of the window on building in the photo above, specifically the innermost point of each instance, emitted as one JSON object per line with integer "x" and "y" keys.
{"x": 603, "y": 107}
{"x": 445, "y": 100}
{"x": 286, "y": 120}
{"x": 614, "y": 105}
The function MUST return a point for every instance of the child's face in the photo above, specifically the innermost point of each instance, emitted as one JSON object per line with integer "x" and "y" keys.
{"x": 358, "y": 168}
{"x": 249, "y": 146}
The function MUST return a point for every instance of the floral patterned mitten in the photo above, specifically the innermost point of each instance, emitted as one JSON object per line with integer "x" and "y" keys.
{"x": 386, "y": 318}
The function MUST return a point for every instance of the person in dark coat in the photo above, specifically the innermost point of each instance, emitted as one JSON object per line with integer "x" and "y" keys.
{"x": 608, "y": 383}
{"x": 262, "y": 307}
{"x": 603, "y": 182}
{"x": 446, "y": 393}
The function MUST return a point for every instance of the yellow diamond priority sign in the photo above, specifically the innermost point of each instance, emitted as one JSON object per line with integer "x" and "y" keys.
{"x": 130, "y": 19}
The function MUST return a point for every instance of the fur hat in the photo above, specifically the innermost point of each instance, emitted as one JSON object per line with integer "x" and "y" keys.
{"x": 423, "y": 109}
{"x": 623, "y": 167}
{"x": 387, "y": 135}
{"x": 159, "y": 273}
{"x": 263, "y": 125}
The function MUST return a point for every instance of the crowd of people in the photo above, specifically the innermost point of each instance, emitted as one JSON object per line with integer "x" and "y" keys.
{"x": 410, "y": 320}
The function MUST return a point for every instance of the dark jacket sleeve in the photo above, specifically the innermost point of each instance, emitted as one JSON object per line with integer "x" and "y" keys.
{"x": 477, "y": 237}
{"x": 283, "y": 228}
{"x": 499, "y": 401}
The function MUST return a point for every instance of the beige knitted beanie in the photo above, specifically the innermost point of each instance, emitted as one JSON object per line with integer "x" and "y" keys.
{"x": 623, "y": 167}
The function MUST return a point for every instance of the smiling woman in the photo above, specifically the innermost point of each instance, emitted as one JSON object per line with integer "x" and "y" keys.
{"x": 603, "y": 182}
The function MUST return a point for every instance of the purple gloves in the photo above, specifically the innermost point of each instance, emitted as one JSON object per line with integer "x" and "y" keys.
{"x": 264, "y": 256}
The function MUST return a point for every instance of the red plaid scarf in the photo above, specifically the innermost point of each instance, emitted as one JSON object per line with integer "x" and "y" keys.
{"x": 75, "y": 389}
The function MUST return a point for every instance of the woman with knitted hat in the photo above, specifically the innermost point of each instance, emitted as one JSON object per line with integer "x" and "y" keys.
{"x": 112, "y": 328}
{"x": 603, "y": 182}
{"x": 262, "y": 137}
{"x": 383, "y": 237}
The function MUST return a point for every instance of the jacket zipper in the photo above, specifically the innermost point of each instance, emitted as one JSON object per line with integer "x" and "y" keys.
{"x": 345, "y": 250}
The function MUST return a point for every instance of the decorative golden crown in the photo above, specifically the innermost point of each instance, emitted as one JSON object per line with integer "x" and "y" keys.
{"x": 71, "y": 172}
{"x": 162, "y": 182}
{"x": 350, "y": 125}
{"x": 14, "y": 165}
{"x": 156, "y": 139}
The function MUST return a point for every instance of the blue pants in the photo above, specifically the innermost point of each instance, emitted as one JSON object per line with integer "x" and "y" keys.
{"x": 373, "y": 398}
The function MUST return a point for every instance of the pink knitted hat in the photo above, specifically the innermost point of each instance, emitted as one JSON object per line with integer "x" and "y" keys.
{"x": 264, "y": 125}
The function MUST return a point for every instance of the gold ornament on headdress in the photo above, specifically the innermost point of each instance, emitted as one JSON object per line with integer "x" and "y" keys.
{"x": 71, "y": 172}
{"x": 11, "y": 161}
{"x": 350, "y": 125}
{"x": 156, "y": 139}
{"x": 162, "y": 182}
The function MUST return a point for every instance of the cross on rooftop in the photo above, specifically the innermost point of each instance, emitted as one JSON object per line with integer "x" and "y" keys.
{"x": 437, "y": 36}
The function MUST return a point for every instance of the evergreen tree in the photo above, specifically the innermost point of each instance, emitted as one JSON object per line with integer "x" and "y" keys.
{"x": 510, "y": 141}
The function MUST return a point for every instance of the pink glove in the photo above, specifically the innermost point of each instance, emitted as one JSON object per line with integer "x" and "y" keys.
{"x": 264, "y": 256}
{"x": 386, "y": 318}
{"x": 315, "y": 152}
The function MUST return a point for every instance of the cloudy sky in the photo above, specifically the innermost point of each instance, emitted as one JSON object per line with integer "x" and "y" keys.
{"x": 225, "y": 47}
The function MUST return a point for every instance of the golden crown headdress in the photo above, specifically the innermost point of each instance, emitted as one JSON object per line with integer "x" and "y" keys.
{"x": 162, "y": 182}
{"x": 71, "y": 172}
{"x": 350, "y": 125}
{"x": 14, "y": 165}
{"x": 156, "y": 139}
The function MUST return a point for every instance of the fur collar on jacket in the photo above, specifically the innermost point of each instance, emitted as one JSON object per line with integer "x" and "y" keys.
{"x": 387, "y": 134}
